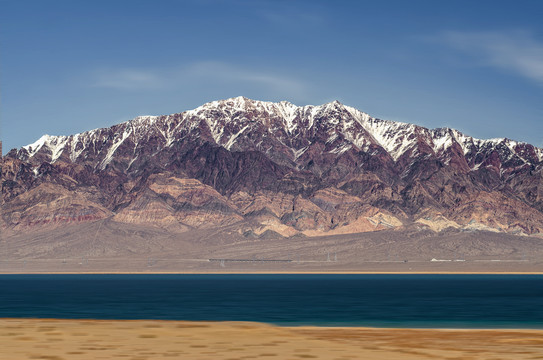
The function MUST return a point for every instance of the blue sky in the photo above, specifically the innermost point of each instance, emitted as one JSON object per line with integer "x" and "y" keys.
{"x": 71, "y": 66}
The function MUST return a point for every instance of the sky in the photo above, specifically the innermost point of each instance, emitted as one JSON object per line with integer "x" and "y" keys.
{"x": 71, "y": 66}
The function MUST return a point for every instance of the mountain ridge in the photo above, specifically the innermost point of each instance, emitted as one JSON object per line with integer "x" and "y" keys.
{"x": 290, "y": 169}
{"x": 289, "y": 109}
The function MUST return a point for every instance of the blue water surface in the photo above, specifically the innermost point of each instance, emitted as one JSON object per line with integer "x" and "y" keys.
{"x": 444, "y": 301}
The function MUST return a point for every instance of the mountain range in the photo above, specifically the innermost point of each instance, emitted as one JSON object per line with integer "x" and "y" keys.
{"x": 274, "y": 169}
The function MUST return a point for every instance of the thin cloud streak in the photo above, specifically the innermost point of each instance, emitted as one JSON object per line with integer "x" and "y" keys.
{"x": 211, "y": 72}
{"x": 226, "y": 73}
{"x": 516, "y": 51}
{"x": 127, "y": 79}
{"x": 285, "y": 14}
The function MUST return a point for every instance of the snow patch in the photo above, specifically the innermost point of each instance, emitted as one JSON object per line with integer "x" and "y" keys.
{"x": 442, "y": 140}
{"x": 539, "y": 153}
{"x": 114, "y": 147}
{"x": 298, "y": 153}
{"x": 233, "y": 138}
{"x": 131, "y": 162}
{"x": 55, "y": 144}
{"x": 341, "y": 149}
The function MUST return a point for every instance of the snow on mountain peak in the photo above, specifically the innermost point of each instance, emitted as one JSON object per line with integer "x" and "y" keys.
{"x": 230, "y": 123}
{"x": 54, "y": 144}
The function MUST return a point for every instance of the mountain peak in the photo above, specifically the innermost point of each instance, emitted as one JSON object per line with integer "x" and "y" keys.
{"x": 261, "y": 161}
{"x": 240, "y": 124}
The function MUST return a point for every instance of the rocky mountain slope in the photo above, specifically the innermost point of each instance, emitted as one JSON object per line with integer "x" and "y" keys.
{"x": 274, "y": 168}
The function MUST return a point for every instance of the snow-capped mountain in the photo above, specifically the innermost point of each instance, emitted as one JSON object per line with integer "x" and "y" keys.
{"x": 312, "y": 169}
{"x": 280, "y": 130}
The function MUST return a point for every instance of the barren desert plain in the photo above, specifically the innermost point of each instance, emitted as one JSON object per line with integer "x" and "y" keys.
{"x": 144, "y": 339}
{"x": 110, "y": 247}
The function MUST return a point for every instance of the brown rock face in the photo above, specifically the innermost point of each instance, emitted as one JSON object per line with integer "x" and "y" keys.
{"x": 274, "y": 167}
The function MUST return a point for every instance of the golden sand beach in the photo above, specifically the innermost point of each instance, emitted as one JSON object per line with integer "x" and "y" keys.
{"x": 144, "y": 339}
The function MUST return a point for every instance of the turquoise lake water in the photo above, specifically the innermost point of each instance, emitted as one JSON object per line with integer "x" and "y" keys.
{"x": 433, "y": 301}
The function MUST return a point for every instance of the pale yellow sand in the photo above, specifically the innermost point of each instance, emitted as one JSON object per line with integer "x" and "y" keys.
{"x": 139, "y": 340}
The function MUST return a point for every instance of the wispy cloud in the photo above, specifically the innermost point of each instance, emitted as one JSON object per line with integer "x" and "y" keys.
{"x": 213, "y": 73}
{"x": 288, "y": 14}
{"x": 516, "y": 51}
{"x": 128, "y": 79}
{"x": 227, "y": 73}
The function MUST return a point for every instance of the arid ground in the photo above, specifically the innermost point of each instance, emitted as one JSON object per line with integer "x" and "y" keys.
{"x": 113, "y": 247}
{"x": 140, "y": 339}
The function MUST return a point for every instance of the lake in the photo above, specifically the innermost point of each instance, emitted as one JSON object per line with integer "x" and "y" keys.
{"x": 432, "y": 301}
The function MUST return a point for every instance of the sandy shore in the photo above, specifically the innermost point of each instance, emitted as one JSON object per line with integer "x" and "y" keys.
{"x": 274, "y": 273}
{"x": 141, "y": 339}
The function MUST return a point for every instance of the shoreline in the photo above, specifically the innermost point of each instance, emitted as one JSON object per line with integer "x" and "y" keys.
{"x": 275, "y": 273}
{"x": 149, "y": 339}
{"x": 260, "y": 323}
